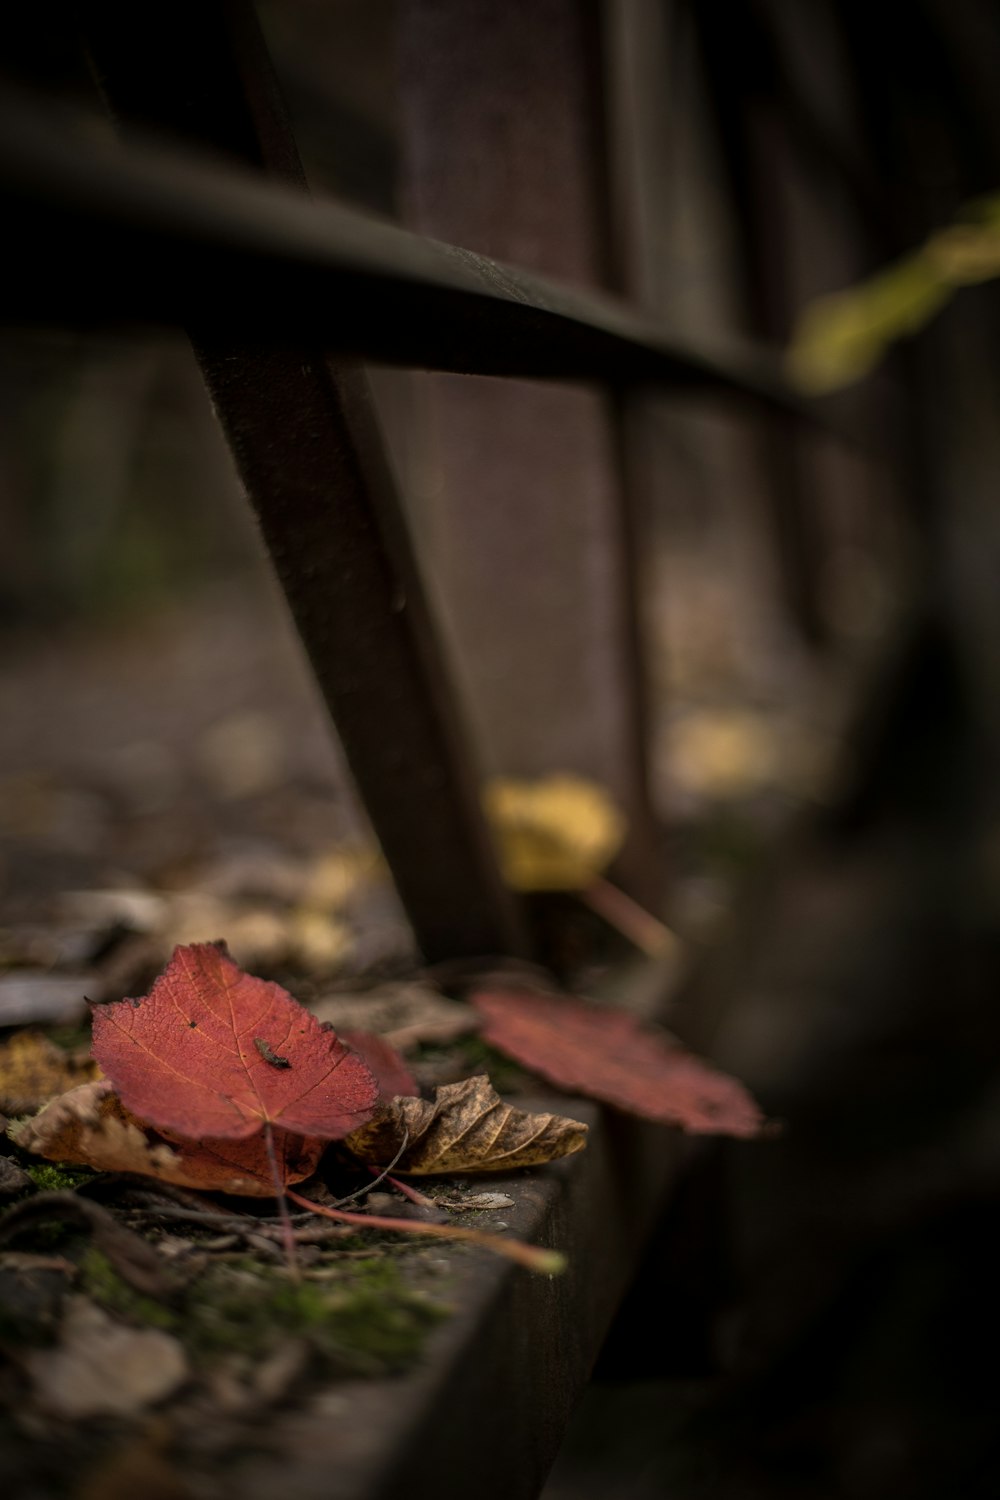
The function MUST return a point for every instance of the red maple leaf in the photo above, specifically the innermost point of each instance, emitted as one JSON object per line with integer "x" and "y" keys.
{"x": 212, "y": 1051}
{"x": 609, "y": 1055}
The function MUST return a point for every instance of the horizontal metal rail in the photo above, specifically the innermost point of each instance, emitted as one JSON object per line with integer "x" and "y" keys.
{"x": 99, "y": 234}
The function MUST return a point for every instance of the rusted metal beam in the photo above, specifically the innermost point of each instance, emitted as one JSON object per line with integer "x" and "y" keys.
{"x": 307, "y": 446}
{"x": 160, "y": 237}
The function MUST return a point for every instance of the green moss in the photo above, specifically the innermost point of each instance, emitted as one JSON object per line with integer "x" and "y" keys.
{"x": 50, "y": 1178}
{"x": 101, "y": 1281}
{"x": 369, "y": 1323}
{"x": 365, "y": 1321}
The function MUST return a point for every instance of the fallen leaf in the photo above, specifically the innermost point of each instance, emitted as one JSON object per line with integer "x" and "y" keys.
{"x": 101, "y": 1368}
{"x": 391, "y": 1072}
{"x": 555, "y": 834}
{"x": 212, "y": 1051}
{"x": 89, "y": 1126}
{"x": 609, "y": 1055}
{"x": 466, "y": 1128}
{"x": 482, "y": 1203}
{"x": 260, "y": 928}
{"x": 405, "y": 1014}
{"x": 33, "y": 1069}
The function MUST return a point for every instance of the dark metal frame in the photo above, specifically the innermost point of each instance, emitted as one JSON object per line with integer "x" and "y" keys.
{"x": 266, "y": 282}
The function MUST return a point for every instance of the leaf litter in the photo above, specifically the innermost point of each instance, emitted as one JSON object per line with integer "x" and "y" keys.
{"x": 217, "y": 1080}
{"x": 248, "y": 1098}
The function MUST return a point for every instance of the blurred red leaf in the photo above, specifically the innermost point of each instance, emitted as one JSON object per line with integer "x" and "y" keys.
{"x": 391, "y": 1073}
{"x": 212, "y": 1051}
{"x": 609, "y": 1055}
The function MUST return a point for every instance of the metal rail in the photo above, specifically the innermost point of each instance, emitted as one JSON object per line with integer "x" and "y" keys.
{"x": 162, "y": 237}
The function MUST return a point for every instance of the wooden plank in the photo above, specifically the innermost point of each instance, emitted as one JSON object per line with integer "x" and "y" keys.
{"x": 308, "y": 449}
{"x": 486, "y": 1410}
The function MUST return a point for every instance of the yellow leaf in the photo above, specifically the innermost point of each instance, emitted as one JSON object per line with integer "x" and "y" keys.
{"x": 841, "y": 337}
{"x": 466, "y": 1128}
{"x": 555, "y": 834}
{"x": 724, "y": 752}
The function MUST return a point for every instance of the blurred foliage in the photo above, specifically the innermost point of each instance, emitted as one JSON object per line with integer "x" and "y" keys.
{"x": 842, "y": 337}
{"x": 555, "y": 834}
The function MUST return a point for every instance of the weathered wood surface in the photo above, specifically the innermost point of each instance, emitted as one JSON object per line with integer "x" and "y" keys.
{"x": 486, "y": 1410}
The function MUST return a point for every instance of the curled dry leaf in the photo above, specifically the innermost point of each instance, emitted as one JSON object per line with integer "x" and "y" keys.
{"x": 555, "y": 834}
{"x": 609, "y": 1055}
{"x": 212, "y": 1051}
{"x": 466, "y": 1128}
{"x": 33, "y": 1069}
{"x": 91, "y": 1127}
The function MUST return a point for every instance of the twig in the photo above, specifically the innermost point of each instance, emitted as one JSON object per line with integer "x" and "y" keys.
{"x": 308, "y": 1232}
{"x": 626, "y": 916}
{"x": 287, "y": 1234}
{"x": 549, "y": 1262}
{"x": 383, "y": 1174}
{"x": 414, "y": 1195}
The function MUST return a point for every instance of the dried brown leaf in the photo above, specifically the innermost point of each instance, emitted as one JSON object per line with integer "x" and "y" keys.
{"x": 91, "y": 1127}
{"x": 467, "y": 1127}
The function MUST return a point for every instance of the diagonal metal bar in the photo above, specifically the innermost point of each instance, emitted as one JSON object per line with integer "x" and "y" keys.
{"x": 308, "y": 449}
{"x": 160, "y": 237}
